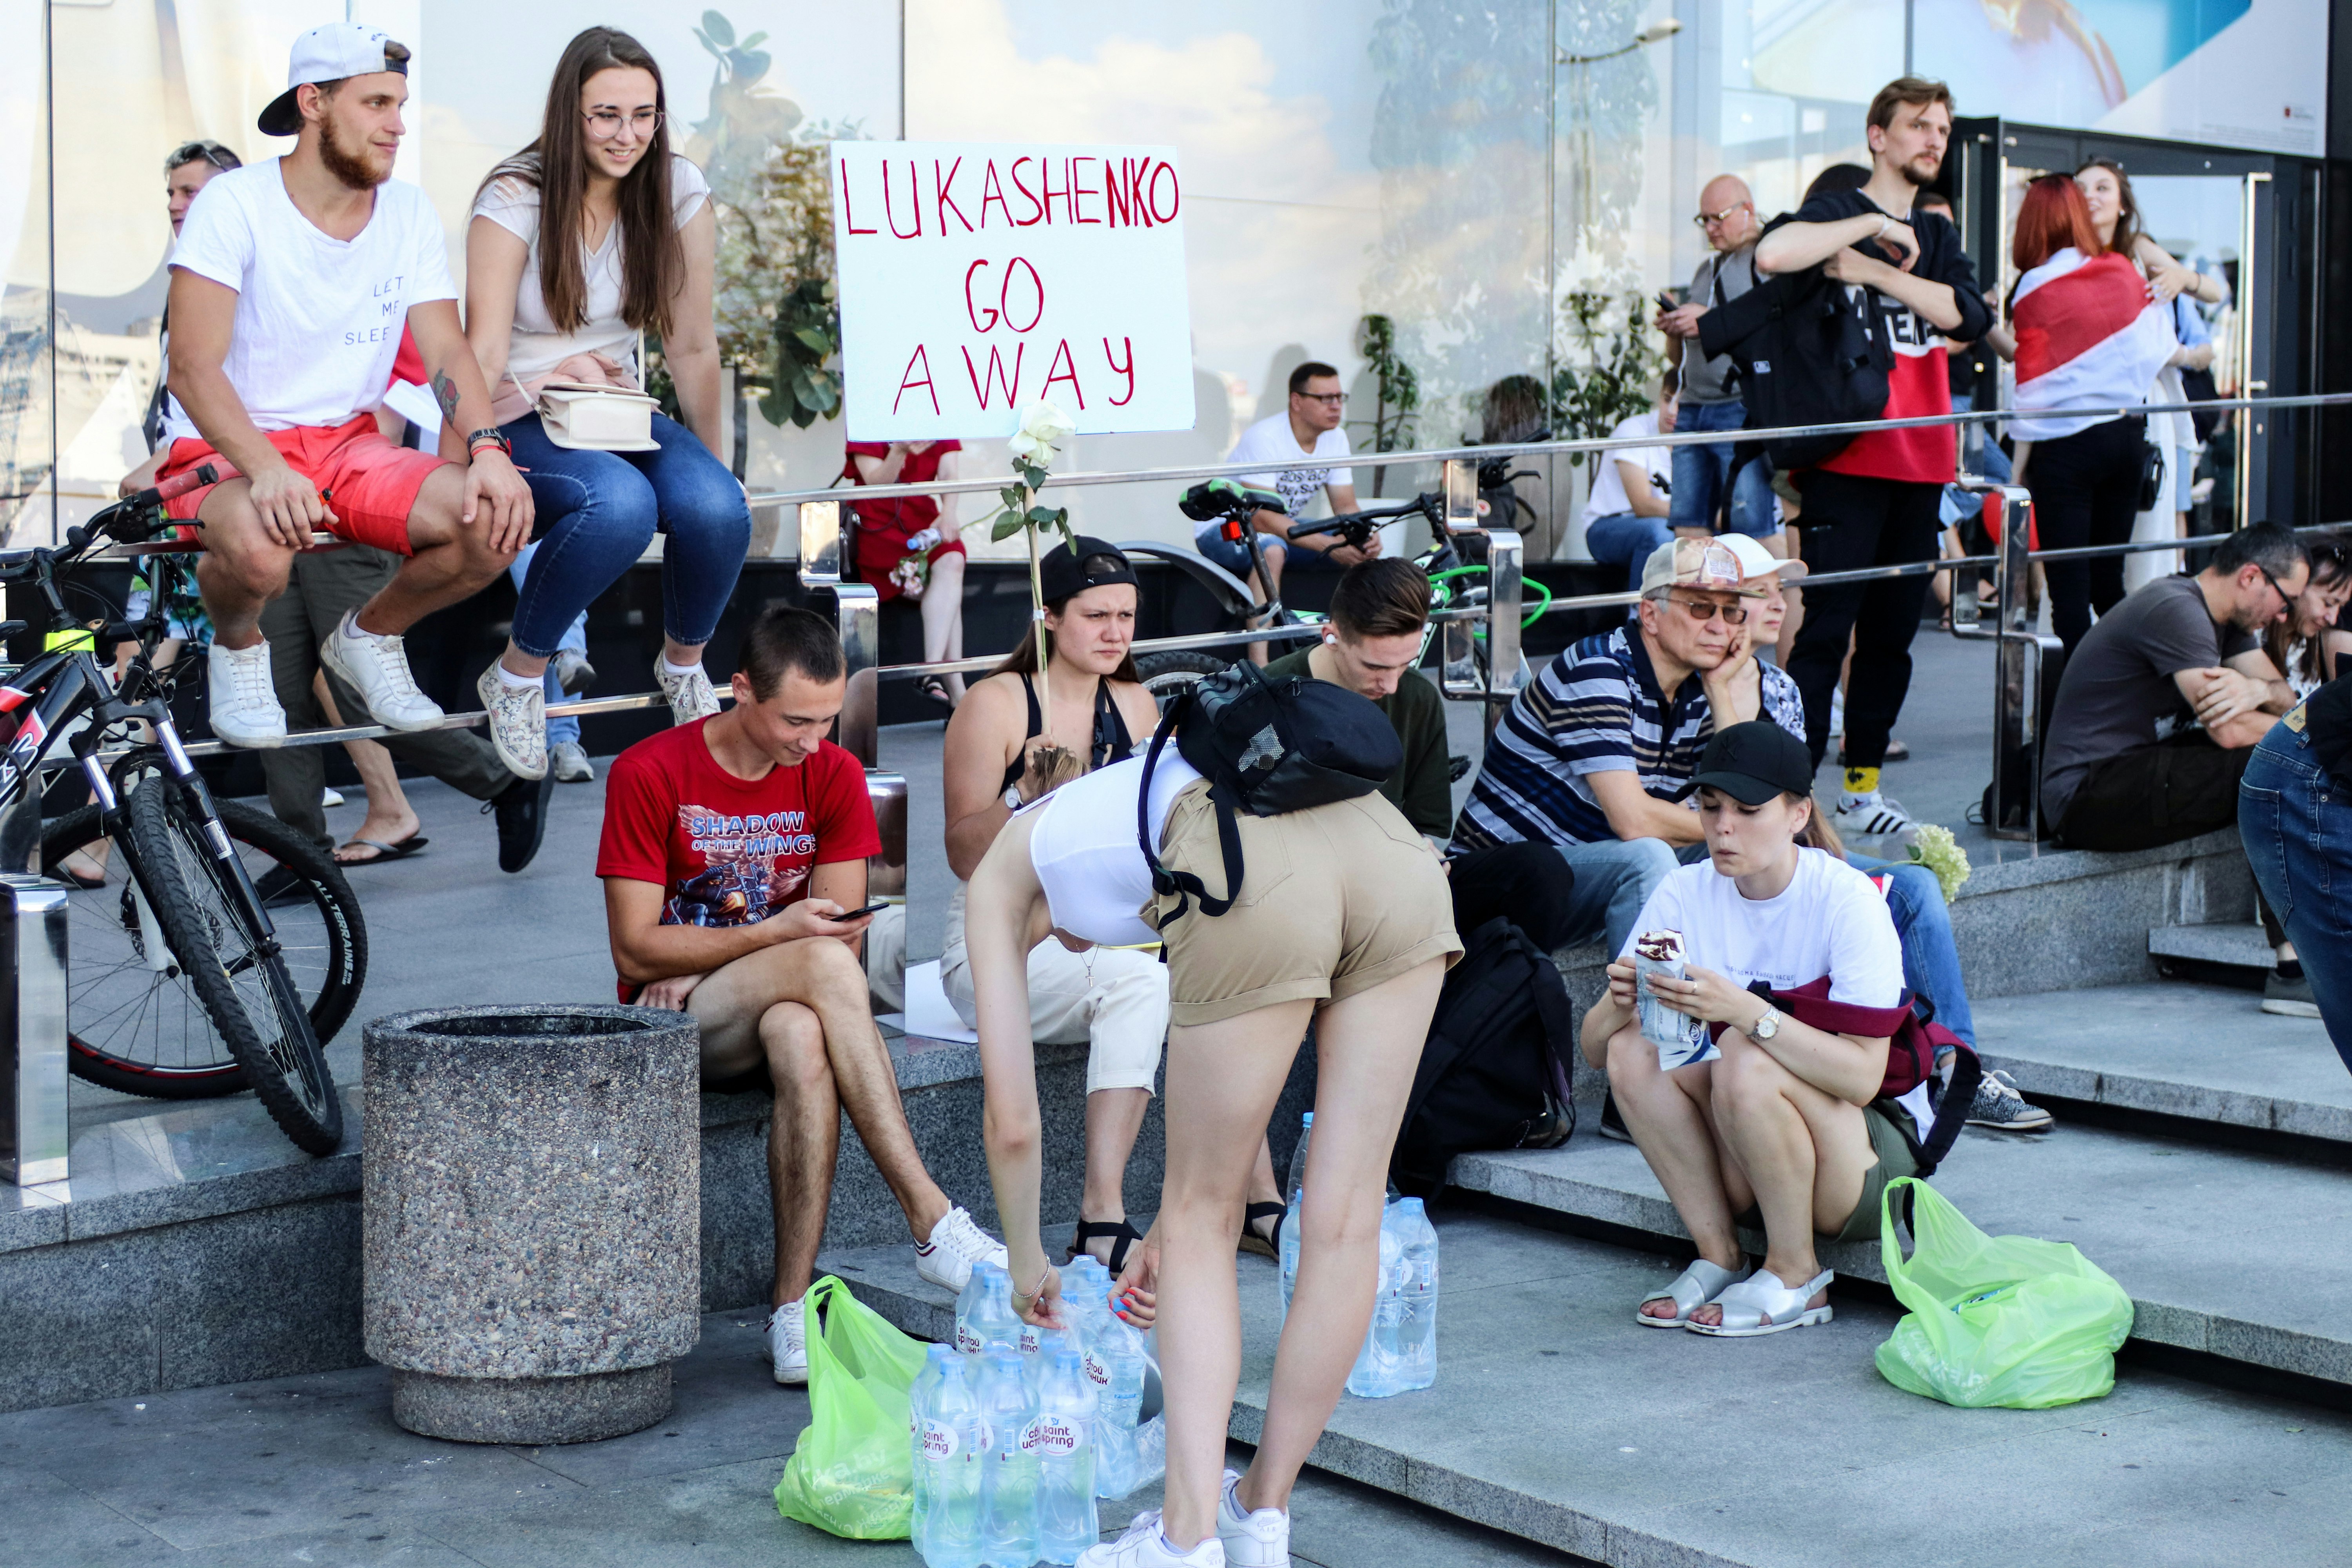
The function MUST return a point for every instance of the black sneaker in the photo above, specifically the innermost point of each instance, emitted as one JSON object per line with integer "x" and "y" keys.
{"x": 2289, "y": 998}
{"x": 1612, "y": 1124}
{"x": 521, "y": 809}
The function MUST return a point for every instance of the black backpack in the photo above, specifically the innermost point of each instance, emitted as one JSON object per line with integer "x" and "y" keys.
{"x": 1495, "y": 1073}
{"x": 1810, "y": 350}
{"x": 1266, "y": 747}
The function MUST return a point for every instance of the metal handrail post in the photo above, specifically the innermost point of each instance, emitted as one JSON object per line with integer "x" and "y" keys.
{"x": 34, "y": 1129}
{"x": 857, "y": 612}
{"x": 2017, "y": 671}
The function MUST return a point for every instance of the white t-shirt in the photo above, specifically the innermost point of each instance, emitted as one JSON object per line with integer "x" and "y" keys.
{"x": 1270, "y": 440}
{"x": 1085, "y": 855}
{"x": 536, "y": 347}
{"x": 1609, "y": 497}
{"x": 1830, "y": 920}
{"x": 317, "y": 318}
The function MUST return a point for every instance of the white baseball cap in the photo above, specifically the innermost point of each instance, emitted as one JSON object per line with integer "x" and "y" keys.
{"x": 1755, "y": 560}
{"x": 330, "y": 53}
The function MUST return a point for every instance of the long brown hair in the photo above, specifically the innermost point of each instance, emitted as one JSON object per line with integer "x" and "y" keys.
{"x": 2330, "y": 562}
{"x": 653, "y": 261}
{"x": 2127, "y": 229}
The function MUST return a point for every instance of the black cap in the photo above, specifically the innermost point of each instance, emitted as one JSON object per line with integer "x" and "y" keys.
{"x": 1753, "y": 762}
{"x": 1064, "y": 572}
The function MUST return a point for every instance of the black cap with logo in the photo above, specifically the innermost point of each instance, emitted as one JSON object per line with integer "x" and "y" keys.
{"x": 1752, "y": 762}
{"x": 1063, "y": 571}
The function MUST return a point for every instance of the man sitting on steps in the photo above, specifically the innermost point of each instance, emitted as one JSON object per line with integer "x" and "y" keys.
{"x": 731, "y": 845}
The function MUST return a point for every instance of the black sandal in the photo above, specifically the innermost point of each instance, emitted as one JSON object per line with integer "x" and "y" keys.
{"x": 935, "y": 688}
{"x": 1122, "y": 1236}
{"x": 1249, "y": 1239}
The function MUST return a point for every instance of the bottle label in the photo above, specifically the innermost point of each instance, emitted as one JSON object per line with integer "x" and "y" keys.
{"x": 967, "y": 1341}
{"x": 940, "y": 1442}
{"x": 1097, "y": 1371}
{"x": 1051, "y": 1437}
{"x": 1028, "y": 1339}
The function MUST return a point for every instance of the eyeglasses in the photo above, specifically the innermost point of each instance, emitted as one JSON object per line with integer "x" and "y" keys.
{"x": 212, "y": 153}
{"x": 604, "y": 125}
{"x": 1705, "y": 610}
{"x": 1708, "y": 220}
{"x": 2285, "y": 599}
{"x": 1329, "y": 399}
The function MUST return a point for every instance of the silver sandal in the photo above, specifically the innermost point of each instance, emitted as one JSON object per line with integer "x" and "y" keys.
{"x": 1760, "y": 1304}
{"x": 1693, "y": 1288}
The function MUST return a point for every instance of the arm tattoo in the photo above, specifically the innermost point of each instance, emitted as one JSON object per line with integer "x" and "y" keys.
{"x": 444, "y": 393}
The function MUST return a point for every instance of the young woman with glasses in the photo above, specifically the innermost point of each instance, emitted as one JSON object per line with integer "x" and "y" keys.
{"x": 591, "y": 235}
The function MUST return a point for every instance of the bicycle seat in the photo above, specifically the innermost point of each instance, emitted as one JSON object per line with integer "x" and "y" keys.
{"x": 1214, "y": 498}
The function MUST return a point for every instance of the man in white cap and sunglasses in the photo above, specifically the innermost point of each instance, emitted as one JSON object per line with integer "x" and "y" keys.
{"x": 291, "y": 286}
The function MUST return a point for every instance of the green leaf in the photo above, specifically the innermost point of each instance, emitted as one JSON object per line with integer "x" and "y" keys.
{"x": 818, "y": 342}
{"x": 719, "y": 26}
{"x": 755, "y": 40}
{"x": 1007, "y": 525}
{"x": 1043, "y": 515}
{"x": 1013, "y": 498}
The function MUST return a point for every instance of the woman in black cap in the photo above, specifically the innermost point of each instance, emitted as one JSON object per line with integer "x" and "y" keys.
{"x": 1005, "y": 748}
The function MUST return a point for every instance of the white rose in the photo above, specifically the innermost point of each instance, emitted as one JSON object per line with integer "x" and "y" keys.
{"x": 1027, "y": 449}
{"x": 1046, "y": 423}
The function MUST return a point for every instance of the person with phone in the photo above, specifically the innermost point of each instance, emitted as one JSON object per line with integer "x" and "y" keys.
{"x": 734, "y": 866}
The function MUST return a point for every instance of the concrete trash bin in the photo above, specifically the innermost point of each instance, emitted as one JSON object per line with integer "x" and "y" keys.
{"x": 531, "y": 1216}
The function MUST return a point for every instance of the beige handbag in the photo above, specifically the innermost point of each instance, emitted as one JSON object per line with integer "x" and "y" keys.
{"x": 597, "y": 418}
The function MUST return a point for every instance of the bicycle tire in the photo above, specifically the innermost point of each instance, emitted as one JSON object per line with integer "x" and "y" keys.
{"x": 140, "y": 1032}
{"x": 245, "y": 989}
{"x": 1164, "y": 675}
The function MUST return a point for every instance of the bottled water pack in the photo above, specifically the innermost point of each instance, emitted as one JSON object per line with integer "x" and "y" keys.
{"x": 1400, "y": 1352}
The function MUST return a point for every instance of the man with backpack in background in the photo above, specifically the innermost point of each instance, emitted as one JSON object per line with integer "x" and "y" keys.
{"x": 1704, "y": 485}
{"x": 1875, "y": 502}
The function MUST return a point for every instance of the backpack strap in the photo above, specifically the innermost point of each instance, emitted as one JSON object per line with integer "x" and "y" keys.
{"x": 1183, "y": 884}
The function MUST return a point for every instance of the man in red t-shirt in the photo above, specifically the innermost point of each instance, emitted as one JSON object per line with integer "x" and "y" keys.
{"x": 1877, "y": 503}
{"x": 730, "y": 846}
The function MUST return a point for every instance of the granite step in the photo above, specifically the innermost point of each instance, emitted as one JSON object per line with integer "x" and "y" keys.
{"x": 2233, "y": 944}
{"x": 1556, "y": 1418}
{"x": 2189, "y": 1053}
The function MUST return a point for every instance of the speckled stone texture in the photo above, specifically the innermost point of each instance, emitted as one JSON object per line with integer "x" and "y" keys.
{"x": 531, "y": 1200}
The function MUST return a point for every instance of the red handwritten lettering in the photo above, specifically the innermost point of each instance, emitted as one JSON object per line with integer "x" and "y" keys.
{"x": 848, "y": 217}
{"x": 995, "y": 376}
{"x": 1035, "y": 210}
{"x": 1115, "y": 202}
{"x": 944, "y": 185}
{"x": 1127, "y": 370}
{"x": 907, "y": 379}
{"x": 1054, "y": 372}
{"x": 914, "y": 199}
{"x": 1003, "y": 295}
{"x": 1136, "y": 172}
{"x": 1175, "y": 192}
{"x": 993, "y": 312}
{"x": 1077, "y": 213}
{"x": 990, "y": 191}
{"x": 1046, "y": 178}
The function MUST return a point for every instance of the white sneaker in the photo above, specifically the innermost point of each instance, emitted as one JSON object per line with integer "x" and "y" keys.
{"x": 377, "y": 668}
{"x": 956, "y": 1244}
{"x": 1144, "y": 1546}
{"x": 570, "y": 761}
{"x": 1871, "y": 816}
{"x": 788, "y": 1344}
{"x": 573, "y": 673}
{"x": 331, "y": 798}
{"x": 244, "y": 700}
{"x": 1252, "y": 1539}
{"x": 691, "y": 697}
{"x": 518, "y": 722}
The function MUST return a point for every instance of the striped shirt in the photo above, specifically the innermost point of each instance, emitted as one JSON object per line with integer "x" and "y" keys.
{"x": 1595, "y": 709}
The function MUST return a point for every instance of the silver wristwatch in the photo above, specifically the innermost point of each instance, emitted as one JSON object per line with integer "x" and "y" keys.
{"x": 1013, "y": 801}
{"x": 1769, "y": 1024}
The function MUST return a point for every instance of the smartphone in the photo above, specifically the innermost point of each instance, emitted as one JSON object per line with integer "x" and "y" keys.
{"x": 859, "y": 914}
{"x": 1667, "y": 302}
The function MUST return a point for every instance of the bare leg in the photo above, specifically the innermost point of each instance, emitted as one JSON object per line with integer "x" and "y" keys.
{"x": 1668, "y": 1115}
{"x": 1114, "y": 1117}
{"x": 942, "y": 612}
{"x": 390, "y": 818}
{"x": 1274, "y": 555}
{"x": 803, "y": 1142}
{"x": 452, "y": 560}
{"x": 242, "y": 567}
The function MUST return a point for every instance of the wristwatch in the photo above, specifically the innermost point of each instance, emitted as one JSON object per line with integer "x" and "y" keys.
{"x": 1769, "y": 1024}
{"x": 488, "y": 436}
{"x": 1013, "y": 800}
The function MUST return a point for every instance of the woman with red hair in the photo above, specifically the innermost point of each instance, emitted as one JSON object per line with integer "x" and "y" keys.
{"x": 2086, "y": 336}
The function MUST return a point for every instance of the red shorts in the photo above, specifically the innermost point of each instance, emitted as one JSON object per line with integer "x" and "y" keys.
{"x": 368, "y": 484}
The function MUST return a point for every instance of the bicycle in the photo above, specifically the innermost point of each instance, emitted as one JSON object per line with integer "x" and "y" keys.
{"x": 186, "y": 911}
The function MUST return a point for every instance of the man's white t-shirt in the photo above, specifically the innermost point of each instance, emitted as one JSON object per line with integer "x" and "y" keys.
{"x": 1609, "y": 497}
{"x": 1271, "y": 440}
{"x": 317, "y": 318}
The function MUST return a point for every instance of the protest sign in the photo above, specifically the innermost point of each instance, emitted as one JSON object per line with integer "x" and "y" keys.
{"x": 976, "y": 277}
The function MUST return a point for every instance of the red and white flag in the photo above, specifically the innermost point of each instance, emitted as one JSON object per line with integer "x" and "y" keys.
{"x": 2088, "y": 336}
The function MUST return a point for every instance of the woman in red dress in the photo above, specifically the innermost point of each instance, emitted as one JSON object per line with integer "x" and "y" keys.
{"x": 903, "y": 553}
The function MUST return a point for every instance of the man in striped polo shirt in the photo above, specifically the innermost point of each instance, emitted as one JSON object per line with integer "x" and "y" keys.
{"x": 1591, "y": 752}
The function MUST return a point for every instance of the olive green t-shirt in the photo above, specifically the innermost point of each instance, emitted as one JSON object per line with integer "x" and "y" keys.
{"x": 1422, "y": 788}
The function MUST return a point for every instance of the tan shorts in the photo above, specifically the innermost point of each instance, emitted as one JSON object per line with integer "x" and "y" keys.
{"x": 1334, "y": 901}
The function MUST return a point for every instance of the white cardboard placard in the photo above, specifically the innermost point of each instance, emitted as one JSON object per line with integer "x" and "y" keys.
{"x": 976, "y": 277}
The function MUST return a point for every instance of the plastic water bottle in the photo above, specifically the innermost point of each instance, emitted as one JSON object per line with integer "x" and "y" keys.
{"x": 1115, "y": 1364}
{"x": 1065, "y": 1425}
{"x": 1291, "y": 1189}
{"x": 919, "y": 1406}
{"x": 1374, "y": 1373}
{"x": 1416, "y": 1337}
{"x": 1008, "y": 1488}
{"x": 984, "y": 1315}
{"x": 949, "y": 1464}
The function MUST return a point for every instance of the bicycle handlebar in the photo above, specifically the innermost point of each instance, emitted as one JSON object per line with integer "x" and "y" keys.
{"x": 1356, "y": 525}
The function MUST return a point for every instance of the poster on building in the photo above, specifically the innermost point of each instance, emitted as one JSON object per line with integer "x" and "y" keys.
{"x": 976, "y": 277}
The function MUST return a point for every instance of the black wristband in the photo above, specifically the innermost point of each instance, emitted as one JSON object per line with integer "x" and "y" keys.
{"x": 490, "y": 436}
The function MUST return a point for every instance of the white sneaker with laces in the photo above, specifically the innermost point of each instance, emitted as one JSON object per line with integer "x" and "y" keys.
{"x": 1871, "y": 816}
{"x": 788, "y": 1342}
{"x": 1252, "y": 1539}
{"x": 377, "y": 668}
{"x": 243, "y": 698}
{"x": 518, "y": 722}
{"x": 690, "y": 696}
{"x": 956, "y": 1244}
{"x": 1144, "y": 1545}
{"x": 570, "y": 761}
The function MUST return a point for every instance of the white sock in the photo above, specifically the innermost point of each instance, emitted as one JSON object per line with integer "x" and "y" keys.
{"x": 669, "y": 669}
{"x": 351, "y": 628}
{"x": 519, "y": 682}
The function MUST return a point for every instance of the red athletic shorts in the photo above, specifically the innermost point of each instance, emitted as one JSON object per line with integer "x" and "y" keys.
{"x": 370, "y": 485}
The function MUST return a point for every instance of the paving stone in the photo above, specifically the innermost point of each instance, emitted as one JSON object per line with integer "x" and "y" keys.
{"x": 50, "y": 1524}
{"x": 2238, "y": 945}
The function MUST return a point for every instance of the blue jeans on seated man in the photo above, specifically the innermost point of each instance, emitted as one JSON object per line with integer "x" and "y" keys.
{"x": 1931, "y": 961}
{"x": 598, "y": 511}
{"x": 2297, "y": 830}
{"x": 563, "y": 728}
{"x": 1700, "y": 472}
{"x": 1625, "y": 539}
{"x": 1614, "y": 878}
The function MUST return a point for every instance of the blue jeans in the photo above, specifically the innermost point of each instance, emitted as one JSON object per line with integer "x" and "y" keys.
{"x": 1614, "y": 878}
{"x": 1234, "y": 554}
{"x": 564, "y": 727}
{"x": 600, "y": 511}
{"x": 1931, "y": 964}
{"x": 1625, "y": 539}
{"x": 2297, "y": 830}
{"x": 1700, "y": 472}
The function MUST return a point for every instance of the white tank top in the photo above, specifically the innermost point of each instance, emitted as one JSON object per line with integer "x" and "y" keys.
{"x": 1084, "y": 851}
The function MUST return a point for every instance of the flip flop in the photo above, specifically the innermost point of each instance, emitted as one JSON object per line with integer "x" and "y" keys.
{"x": 1252, "y": 1241}
{"x": 87, "y": 883}
{"x": 400, "y": 851}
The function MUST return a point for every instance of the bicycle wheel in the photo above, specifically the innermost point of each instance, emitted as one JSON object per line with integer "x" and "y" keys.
{"x": 1165, "y": 675}
{"x": 139, "y": 1029}
{"x": 243, "y": 987}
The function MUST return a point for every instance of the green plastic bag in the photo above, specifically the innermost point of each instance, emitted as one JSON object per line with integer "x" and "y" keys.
{"x": 853, "y": 1471}
{"x": 1996, "y": 1320}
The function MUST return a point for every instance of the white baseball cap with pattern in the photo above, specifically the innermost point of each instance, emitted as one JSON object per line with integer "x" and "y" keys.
{"x": 1755, "y": 560}
{"x": 330, "y": 53}
{"x": 1694, "y": 564}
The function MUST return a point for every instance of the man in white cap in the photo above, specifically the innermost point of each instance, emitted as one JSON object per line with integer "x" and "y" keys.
{"x": 290, "y": 285}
